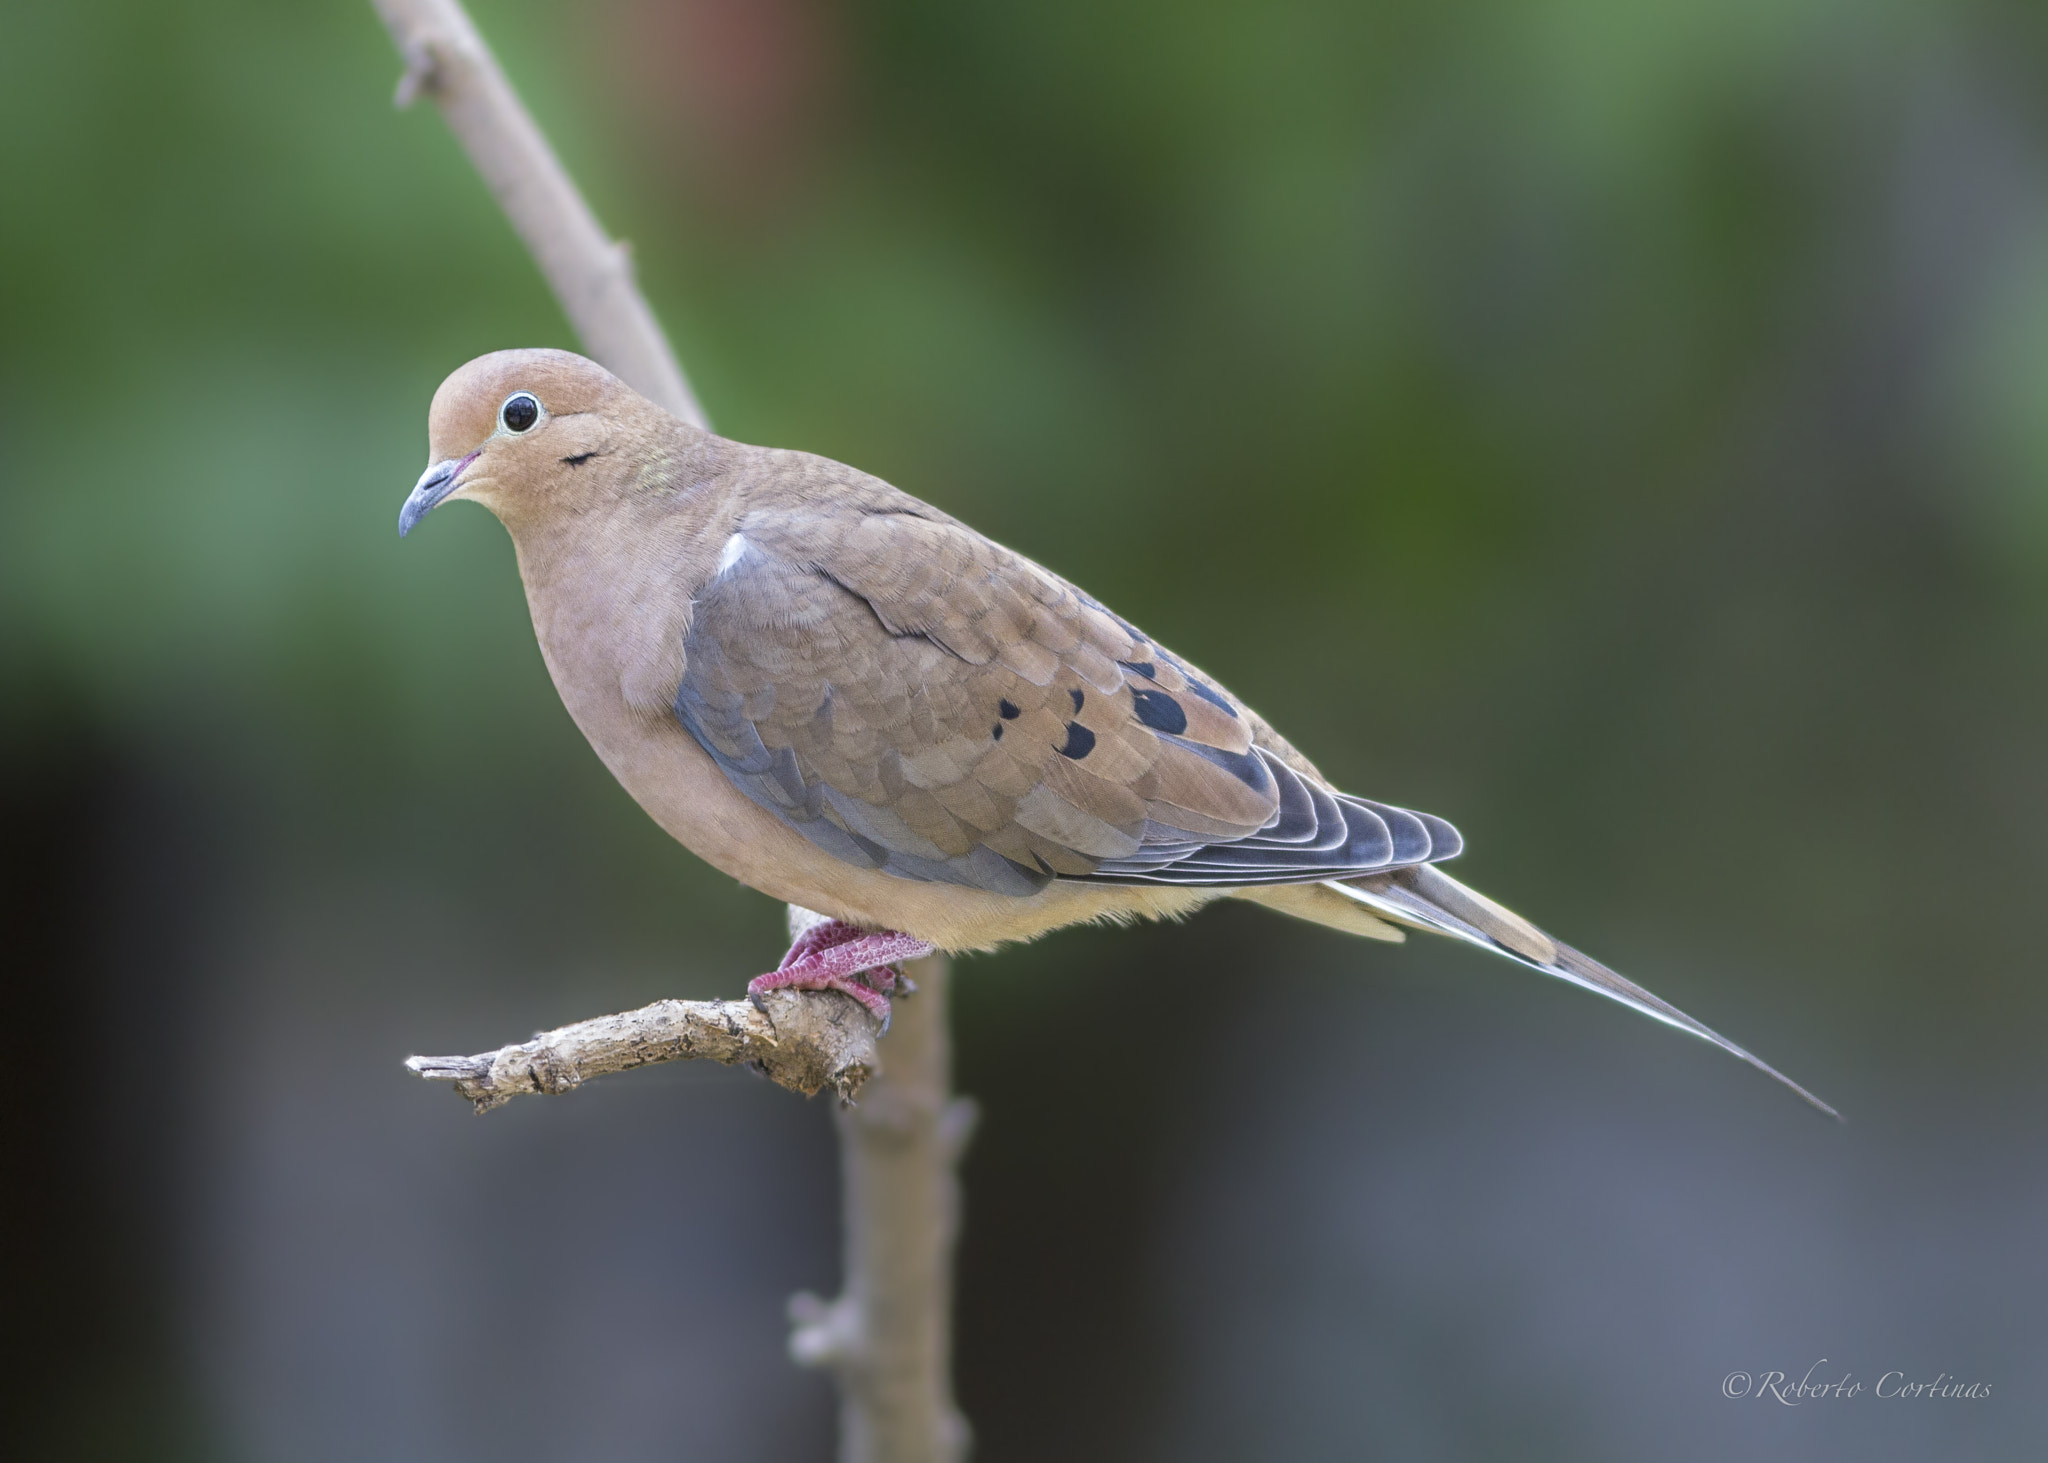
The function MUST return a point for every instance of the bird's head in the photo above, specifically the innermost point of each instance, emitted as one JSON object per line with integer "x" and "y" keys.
{"x": 517, "y": 430}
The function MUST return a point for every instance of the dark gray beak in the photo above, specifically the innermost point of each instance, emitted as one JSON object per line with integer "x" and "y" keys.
{"x": 436, "y": 483}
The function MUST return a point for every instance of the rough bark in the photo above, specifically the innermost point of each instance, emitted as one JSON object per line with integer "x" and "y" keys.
{"x": 803, "y": 1040}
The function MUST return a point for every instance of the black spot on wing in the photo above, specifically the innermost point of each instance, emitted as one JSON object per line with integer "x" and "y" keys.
{"x": 1007, "y": 710}
{"x": 779, "y": 781}
{"x": 1080, "y": 741}
{"x": 996, "y": 731}
{"x": 1143, "y": 668}
{"x": 1078, "y": 697}
{"x": 1159, "y": 711}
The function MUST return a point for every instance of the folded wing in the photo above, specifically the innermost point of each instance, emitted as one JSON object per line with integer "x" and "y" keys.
{"x": 914, "y": 698}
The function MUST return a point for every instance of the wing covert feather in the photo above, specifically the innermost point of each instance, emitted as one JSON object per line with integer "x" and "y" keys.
{"x": 914, "y": 698}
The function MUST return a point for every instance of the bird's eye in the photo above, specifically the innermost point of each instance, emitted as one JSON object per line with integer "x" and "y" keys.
{"x": 519, "y": 412}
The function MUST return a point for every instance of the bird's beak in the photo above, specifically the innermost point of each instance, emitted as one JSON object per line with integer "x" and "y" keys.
{"x": 436, "y": 483}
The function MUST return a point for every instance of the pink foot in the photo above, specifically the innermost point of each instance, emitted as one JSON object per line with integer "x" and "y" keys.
{"x": 838, "y": 957}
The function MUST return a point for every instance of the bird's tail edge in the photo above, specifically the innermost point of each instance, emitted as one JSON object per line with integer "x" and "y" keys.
{"x": 1424, "y": 897}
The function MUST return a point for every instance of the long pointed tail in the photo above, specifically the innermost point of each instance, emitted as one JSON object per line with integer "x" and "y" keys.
{"x": 1426, "y": 898}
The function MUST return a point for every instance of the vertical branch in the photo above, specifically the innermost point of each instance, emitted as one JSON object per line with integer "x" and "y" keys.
{"x": 888, "y": 1338}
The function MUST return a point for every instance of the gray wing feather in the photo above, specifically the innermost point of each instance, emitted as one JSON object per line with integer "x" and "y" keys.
{"x": 851, "y": 830}
{"x": 1313, "y": 834}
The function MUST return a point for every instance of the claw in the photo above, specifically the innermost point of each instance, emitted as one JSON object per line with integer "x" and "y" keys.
{"x": 838, "y": 957}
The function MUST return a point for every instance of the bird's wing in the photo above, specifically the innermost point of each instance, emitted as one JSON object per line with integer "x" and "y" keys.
{"x": 914, "y": 698}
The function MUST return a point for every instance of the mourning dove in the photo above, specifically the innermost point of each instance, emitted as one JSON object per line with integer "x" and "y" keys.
{"x": 855, "y": 703}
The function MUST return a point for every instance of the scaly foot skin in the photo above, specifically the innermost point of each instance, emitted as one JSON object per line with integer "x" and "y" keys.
{"x": 838, "y": 957}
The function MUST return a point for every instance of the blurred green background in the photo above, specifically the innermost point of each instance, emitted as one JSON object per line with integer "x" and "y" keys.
{"x": 1619, "y": 428}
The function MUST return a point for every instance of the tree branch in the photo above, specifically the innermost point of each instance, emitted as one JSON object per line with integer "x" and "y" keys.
{"x": 590, "y": 273}
{"x": 804, "y": 1040}
{"x": 888, "y": 1338}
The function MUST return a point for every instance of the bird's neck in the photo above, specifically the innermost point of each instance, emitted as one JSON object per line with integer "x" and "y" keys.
{"x": 611, "y": 582}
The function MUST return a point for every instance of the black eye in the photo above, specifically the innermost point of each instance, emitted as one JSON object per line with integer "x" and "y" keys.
{"x": 519, "y": 413}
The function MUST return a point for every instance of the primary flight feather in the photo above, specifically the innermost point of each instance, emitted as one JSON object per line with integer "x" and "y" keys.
{"x": 853, "y": 702}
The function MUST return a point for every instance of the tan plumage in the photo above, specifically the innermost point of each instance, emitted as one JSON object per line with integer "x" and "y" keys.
{"x": 851, "y": 701}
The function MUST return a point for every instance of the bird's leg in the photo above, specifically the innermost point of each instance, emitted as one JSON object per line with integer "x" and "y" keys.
{"x": 835, "y": 956}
